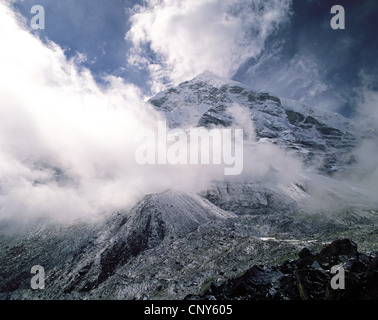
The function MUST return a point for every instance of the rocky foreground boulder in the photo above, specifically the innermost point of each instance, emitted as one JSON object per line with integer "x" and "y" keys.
{"x": 307, "y": 278}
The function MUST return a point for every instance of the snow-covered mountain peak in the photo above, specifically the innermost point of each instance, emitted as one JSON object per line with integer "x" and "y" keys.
{"x": 207, "y": 101}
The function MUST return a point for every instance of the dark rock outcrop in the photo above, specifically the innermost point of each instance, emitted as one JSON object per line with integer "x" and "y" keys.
{"x": 307, "y": 278}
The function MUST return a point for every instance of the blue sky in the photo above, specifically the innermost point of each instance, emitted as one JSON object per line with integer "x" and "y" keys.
{"x": 95, "y": 28}
{"x": 302, "y": 57}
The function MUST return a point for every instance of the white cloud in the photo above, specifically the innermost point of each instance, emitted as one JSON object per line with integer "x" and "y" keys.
{"x": 67, "y": 144}
{"x": 188, "y": 37}
{"x": 67, "y": 147}
{"x": 366, "y": 173}
{"x": 296, "y": 79}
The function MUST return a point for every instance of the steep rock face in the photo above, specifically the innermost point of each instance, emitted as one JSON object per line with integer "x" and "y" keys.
{"x": 207, "y": 101}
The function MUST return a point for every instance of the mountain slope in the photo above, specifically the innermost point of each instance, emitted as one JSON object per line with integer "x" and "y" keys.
{"x": 176, "y": 243}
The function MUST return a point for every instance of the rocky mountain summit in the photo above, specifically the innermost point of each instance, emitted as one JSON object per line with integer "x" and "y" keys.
{"x": 206, "y": 101}
{"x": 237, "y": 238}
